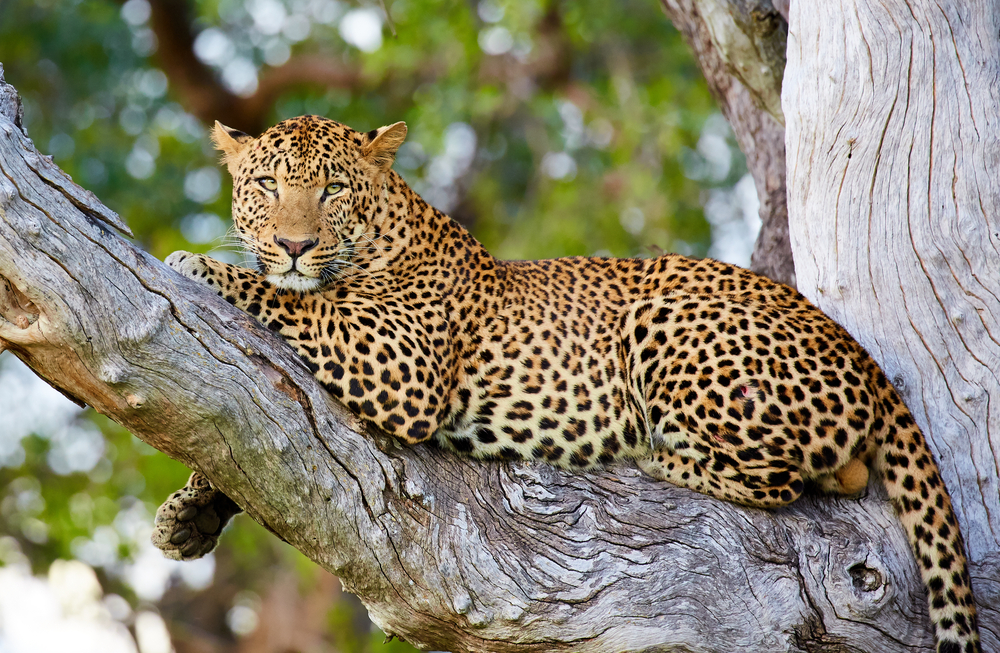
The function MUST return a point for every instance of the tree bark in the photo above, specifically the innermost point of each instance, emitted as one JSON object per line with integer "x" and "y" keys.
{"x": 730, "y": 37}
{"x": 448, "y": 553}
{"x": 892, "y": 117}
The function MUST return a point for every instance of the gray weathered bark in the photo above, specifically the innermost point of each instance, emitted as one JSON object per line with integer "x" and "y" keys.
{"x": 893, "y": 112}
{"x": 731, "y": 38}
{"x": 448, "y": 553}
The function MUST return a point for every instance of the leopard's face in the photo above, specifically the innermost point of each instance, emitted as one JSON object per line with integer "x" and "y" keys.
{"x": 306, "y": 194}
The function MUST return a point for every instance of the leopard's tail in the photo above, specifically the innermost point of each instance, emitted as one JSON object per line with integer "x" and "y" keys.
{"x": 914, "y": 484}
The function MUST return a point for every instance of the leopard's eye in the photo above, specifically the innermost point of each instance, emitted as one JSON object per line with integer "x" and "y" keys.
{"x": 268, "y": 183}
{"x": 333, "y": 189}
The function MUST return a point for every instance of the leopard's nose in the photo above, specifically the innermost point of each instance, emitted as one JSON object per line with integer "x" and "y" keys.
{"x": 296, "y": 248}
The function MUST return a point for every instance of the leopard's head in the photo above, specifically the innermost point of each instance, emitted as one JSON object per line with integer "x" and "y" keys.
{"x": 308, "y": 195}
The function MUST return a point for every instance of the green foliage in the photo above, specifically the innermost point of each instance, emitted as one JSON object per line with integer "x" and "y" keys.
{"x": 71, "y": 506}
{"x": 549, "y": 128}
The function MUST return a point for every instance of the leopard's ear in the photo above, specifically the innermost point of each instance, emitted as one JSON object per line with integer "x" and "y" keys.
{"x": 383, "y": 143}
{"x": 231, "y": 142}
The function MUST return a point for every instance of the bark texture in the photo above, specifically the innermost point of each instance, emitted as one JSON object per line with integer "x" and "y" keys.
{"x": 892, "y": 114}
{"x": 448, "y": 553}
{"x": 711, "y": 27}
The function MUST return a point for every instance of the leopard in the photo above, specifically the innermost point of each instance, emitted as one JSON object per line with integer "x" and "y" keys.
{"x": 705, "y": 374}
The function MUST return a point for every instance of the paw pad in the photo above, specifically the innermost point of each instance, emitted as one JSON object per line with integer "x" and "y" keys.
{"x": 188, "y": 524}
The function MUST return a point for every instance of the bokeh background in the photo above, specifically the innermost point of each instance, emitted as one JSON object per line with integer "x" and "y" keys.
{"x": 547, "y": 127}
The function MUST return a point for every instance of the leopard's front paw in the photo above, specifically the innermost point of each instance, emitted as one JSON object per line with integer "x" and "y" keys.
{"x": 188, "y": 524}
{"x": 188, "y": 264}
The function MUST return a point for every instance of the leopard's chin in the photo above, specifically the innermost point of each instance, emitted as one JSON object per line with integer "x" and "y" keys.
{"x": 296, "y": 282}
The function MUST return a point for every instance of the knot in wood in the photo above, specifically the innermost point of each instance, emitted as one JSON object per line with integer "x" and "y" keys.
{"x": 15, "y": 307}
{"x": 865, "y": 578}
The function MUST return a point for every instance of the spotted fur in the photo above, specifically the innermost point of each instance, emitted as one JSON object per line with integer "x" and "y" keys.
{"x": 708, "y": 375}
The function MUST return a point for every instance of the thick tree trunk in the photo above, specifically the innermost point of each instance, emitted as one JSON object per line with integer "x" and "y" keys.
{"x": 892, "y": 114}
{"x": 448, "y": 553}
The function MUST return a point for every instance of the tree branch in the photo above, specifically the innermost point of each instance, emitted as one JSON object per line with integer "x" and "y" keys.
{"x": 208, "y": 99}
{"x": 759, "y": 135}
{"x": 448, "y": 553}
{"x": 205, "y": 96}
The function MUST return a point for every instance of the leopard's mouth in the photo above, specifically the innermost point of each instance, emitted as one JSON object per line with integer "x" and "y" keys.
{"x": 296, "y": 281}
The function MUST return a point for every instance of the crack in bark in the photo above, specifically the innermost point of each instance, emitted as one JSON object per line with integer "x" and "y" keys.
{"x": 96, "y": 217}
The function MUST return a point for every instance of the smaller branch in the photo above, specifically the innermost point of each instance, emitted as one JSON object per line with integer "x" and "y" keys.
{"x": 551, "y": 65}
{"x": 388, "y": 19}
{"x": 196, "y": 83}
{"x": 208, "y": 99}
{"x": 760, "y": 136}
{"x": 751, "y": 38}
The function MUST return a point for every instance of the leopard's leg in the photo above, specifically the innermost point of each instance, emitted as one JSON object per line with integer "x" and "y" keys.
{"x": 189, "y": 522}
{"x": 770, "y": 489}
{"x": 743, "y": 412}
{"x": 239, "y": 286}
